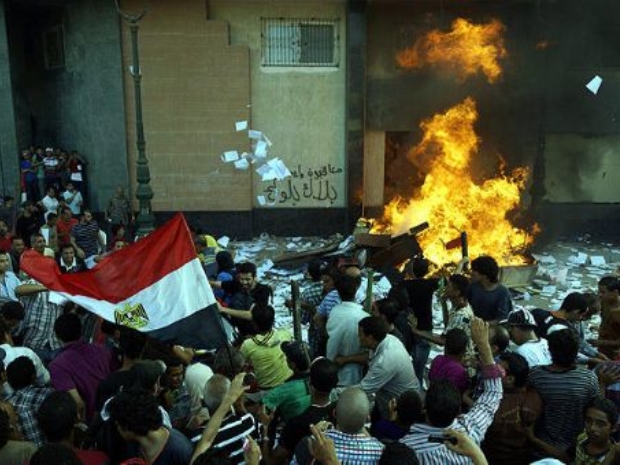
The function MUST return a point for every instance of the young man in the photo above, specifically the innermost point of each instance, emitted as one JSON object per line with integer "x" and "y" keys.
{"x": 609, "y": 333}
{"x": 522, "y": 328}
{"x": 565, "y": 389}
{"x": 595, "y": 443}
{"x": 450, "y": 365}
{"x": 73, "y": 198}
{"x": 139, "y": 422}
{"x": 489, "y": 299}
{"x": 8, "y": 280}
{"x": 80, "y": 366}
{"x": 64, "y": 225}
{"x": 57, "y": 417}
{"x": 68, "y": 262}
{"x": 506, "y": 440}
{"x": 85, "y": 236}
{"x": 342, "y": 330}
{"x": 443, "y": 408}
{"x": 390, "y": 372}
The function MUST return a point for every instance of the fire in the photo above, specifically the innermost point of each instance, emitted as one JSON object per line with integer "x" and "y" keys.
{"x": 466, "y": 49}
{"x": 452, "y": 202}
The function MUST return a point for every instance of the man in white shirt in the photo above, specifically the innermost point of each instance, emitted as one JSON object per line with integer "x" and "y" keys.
{"x": 342, "y": 330}
{"x": 8, "y": 280}
{"x": 73, "y": 198}
{"x": 522, "y": 328}
{"x": 50, "y": 202}
{"x": 11, "y": 353}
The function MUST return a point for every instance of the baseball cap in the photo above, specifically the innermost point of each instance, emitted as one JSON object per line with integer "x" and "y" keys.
{"x": 520, "y": 317}
{"x": 297, "y": 353}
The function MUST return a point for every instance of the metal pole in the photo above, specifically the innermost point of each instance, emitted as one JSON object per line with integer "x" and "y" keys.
{"x": 145, "y": 219}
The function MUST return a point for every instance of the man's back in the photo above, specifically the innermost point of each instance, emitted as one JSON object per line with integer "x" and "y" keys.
{"x": 494, "y": 304}
{"x": 81, "y": 366}
{"x": 565, "y": 394}
{"x": 343, "y": 339}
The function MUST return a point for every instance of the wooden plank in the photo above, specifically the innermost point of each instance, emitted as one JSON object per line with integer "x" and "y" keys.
{"x": 295, "y": 310}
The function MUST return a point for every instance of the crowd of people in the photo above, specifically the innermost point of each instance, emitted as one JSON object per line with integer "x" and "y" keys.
{"x": 512, "y": 386}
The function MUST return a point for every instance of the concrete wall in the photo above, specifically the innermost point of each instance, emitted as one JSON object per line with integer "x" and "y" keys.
{"x": 194, "y": 87}
{"x": 9, "y": 167}
{"x": 302, "y": 110}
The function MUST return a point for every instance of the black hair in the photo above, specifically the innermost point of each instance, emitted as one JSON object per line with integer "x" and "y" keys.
{"x": 409, "y": 407}
{"x": 131, "y": 342}
{"x": 136, "y": 410}
{"x": 389, "y": 308}
{"x": 5, "y": 428}
{"x": 610, "y": 282}
{"x": 4, "y": 332}
{"x": 315, "y": 269}
{"x": 224, "y": 261}
{"x": 109, "y": 328}
{"x": 501, "y": 338}
{"x": 375, "y": 327}
{"x": 347, "y": 286}
{"x": 323, "y": 375}
{"x": 247, "y": 267}
{"x": 419, "y": 267}
{"x": 264, "y": 317}
{"x": 146, "y": 373}
{"x": 563, "y": 345}
{"x": 486, "y": 266}
{"x": 517, "y": 367}
{"x": 17, "y": 238}
{"x": 397, "y": 453}
{"x": 575, "y": 301}
{"x": 51, "y": 216}
{"x": 68, "y": 327}
{"x": 20, "y": 373}
{"x": 56, "y": 453}
{"x": 13, "y": 310}
{"x": 57, "y": 416}
{"x": 442, "y": 403}
{"x": 400, "y": 295}
{"x": 460, "y": 282}
{"x": 608, "y": 407}
{"x": 456, "y": 341}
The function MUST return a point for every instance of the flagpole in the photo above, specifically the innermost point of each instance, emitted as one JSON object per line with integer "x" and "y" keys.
{"x": 145, "y": 220}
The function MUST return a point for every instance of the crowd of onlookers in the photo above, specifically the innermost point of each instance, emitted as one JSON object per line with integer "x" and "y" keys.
{"x": 512, "y": 385}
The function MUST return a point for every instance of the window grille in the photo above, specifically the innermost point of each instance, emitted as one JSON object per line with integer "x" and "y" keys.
{"x": 300, "y": 42}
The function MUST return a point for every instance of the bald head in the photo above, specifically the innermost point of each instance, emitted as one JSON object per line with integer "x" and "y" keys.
{"x": 352, "y": 410}
{"x": 215, "y": 390}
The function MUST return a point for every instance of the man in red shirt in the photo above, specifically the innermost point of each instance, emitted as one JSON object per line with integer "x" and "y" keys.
{"x": 64, "y": 225}
{"x": 5, "y": 237}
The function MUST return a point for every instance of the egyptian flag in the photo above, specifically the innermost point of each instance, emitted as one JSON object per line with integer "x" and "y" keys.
{"x": 156, "y": 285}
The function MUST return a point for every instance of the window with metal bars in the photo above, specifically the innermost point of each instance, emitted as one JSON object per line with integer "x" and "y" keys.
{"x": 300, "y": 42}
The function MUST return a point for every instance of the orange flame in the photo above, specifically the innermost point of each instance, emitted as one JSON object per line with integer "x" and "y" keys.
{"x": 452, "y": 202}
{"x": 467, "y": 49}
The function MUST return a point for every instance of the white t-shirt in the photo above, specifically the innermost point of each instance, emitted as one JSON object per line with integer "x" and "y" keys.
{"x": 74, "y": 201}
{"x": 535, "y": 352}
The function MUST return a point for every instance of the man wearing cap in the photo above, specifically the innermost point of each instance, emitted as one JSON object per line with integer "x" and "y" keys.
{"x": 292, "y": 397}
{"x": 51, "y": 164}
{"x": 522, "y": 329}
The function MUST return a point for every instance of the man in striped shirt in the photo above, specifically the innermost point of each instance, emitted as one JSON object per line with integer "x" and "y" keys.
{"x": 234, "y": 428}
{"x": 85, "y": 236}
{"x": 443, "y": 403}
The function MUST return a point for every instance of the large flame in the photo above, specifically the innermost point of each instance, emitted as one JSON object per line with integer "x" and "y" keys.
{"x": 452, "y": 202}
{"x": 466, "y": 49}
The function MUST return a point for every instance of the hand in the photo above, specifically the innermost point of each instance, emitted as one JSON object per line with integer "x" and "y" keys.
{"x": 392, "y": 413}
{"x": 321, "y": 447}
{"x": 602, "y": 357}
{"x": 413, "y": 321}
{"x": 464, "y": 445}
{"x": 236, "y": 388}
{"x": 480, "y": 332}
{"x": 608, "y": 374}
{"x": 251, "y": 451}
{"x": 340, "y": 360}
{"x": 264, "y": 417}
{"x": 595, "y": 342}
{"x": 80, "y": 253}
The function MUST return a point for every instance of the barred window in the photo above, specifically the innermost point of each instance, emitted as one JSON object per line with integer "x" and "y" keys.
{"x": 299, "y": 42}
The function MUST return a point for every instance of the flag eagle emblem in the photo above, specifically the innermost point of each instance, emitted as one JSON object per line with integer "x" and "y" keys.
{"x": 134, "y": 317}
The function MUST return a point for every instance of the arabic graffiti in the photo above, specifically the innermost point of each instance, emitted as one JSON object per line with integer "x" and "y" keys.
{"x": 305, "y": 183}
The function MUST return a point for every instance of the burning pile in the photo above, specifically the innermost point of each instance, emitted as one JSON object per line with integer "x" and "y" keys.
{"x": 449, "y": 198}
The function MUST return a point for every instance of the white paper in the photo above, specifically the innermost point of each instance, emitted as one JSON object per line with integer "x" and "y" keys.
{"x": 261, "y": 200}
{"x": 548, "y": 290}
{"x": 242, "y": 164}
{"x": 241, "y": 126}
{"x": 595, "y": 84}
{"x": 256, "y": 135}
{"x": 231, "y": 155}
{"x": 260, "y": 150}
{"x": 223, "y": 241}
{"x": 279, "y": 168}
{"x": 597, "y": 260}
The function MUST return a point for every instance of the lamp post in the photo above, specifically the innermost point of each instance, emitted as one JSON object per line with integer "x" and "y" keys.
{"x": 145, "y": 220}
